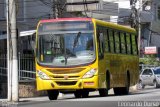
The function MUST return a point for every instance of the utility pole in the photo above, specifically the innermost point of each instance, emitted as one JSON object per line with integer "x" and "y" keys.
{"x": 139, "y": 25}
{"x": 133, "y": 13}
{"x": 54, "y": 9}
{"x": 13, "y": 52}
{"x": 8, "y": 52}
{"x": 136, "y": 19}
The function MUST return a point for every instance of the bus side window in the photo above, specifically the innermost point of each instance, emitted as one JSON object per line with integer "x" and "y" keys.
{"x": 131, "y": 43}
{"x": 111, "y": 40}
{"x": 123, "y": 48}
{"x": 100, "y": 40}
{"x": 128, "y": 43}
{"x": 134, "y": 45}
{"x": 117, "y": 47}
{"x": 120, "y": 46}
{"x": 101, "y": 46}
{"x": 106, "y": 40}
{"x": 125, "y": 39}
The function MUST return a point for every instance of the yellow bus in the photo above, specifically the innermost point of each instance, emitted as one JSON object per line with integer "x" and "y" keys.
{"x": 80, "y": 55}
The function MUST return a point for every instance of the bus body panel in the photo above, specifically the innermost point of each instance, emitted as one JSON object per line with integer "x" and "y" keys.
{"x": 80, "y": 83}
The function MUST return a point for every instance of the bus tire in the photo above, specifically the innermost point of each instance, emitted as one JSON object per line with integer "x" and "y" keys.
{"x": 103, "y": 92}
{"x": 77, "y": 94}
{"x": 85, "y": 93}
{"x": 118, "y": 90}
{"x": 126, "y": 89}
{"x": 108, "y": 80}
{"x": 53, "y": 94}
{"x": 123, "y": 90}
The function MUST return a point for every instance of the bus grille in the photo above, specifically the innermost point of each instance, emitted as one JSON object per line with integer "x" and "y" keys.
{"x": 66, "y": 71}
{"x": 66, "y": 83}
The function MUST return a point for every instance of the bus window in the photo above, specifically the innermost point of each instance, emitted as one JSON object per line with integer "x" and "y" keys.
{"x": 120, "y": 47}
{"x": 125, "y": 41}
{"x": 131, "y": 43}
{"x": 106, "y": 40}
{"x": 111, "y": 40}
{"x": 100, "y": 42}
{"x": 123, "y": 48}
{"x": 134, "y": 44}
{"x": 128, "y": 43}
{"x": 116, "y": 36}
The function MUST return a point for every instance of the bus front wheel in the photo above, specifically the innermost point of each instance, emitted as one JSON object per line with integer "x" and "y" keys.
{"x": 77, "y": 94}
{"x": 53, "y": 94}
{"x": 103, "y": 92}
{"x": 85, "y": 93}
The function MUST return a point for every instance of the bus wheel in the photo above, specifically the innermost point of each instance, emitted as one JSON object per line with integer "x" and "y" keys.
{"x": 103, "y": 92}
{"x": 53, "y": 94}
{"x": 126, "y": 89}
{"x": 118, "y": 90}
{"x": 77, "y": 94}
{"x": 123, "y": 90}
{"x": 85, "y": 93}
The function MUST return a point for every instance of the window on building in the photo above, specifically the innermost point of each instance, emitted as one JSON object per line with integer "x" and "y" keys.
{"x": 19, "y": 9}
{"x": 159, "y": 12}
{"x": 2, "y": 9}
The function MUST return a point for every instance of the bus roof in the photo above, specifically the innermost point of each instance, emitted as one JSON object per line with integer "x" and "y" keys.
{"x": 114, "y": 26}
{"x": 66, "y": 19}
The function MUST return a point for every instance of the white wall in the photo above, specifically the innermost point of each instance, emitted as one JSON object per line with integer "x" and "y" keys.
{"x": 125, "y": 4}
{"x": 122, "y": 3}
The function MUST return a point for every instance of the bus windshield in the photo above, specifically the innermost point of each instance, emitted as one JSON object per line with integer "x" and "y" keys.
{"x": 66, "y": 49}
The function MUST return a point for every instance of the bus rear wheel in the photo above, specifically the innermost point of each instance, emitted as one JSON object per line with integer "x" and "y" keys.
{"x": 123, "y": 90}
{"x": 118, "y": 90}
{"x": 53, "y": 94}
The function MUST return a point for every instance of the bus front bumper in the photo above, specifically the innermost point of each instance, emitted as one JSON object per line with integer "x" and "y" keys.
{"x": 88, "y": 83}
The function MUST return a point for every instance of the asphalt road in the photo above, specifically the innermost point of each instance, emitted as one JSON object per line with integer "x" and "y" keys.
{"x": 148, "y": 97}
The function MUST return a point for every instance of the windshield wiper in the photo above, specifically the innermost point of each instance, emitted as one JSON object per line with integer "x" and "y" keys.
{"x": 76, "y": 40}
{"x": 68, "y": 54}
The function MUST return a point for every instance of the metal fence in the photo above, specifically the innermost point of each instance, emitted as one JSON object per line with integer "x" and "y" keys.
{"x": 3, "y": 68}
{"x": 26, "y": 67}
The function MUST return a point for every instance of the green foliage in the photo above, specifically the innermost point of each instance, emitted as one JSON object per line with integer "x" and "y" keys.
{"x": 78, "y": 14}
{"x": 150, "y": 60}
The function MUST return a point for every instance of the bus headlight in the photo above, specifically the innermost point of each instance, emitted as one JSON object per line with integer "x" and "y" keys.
{"x": 90, "y": 73}
{"x": 42, "y": 75}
